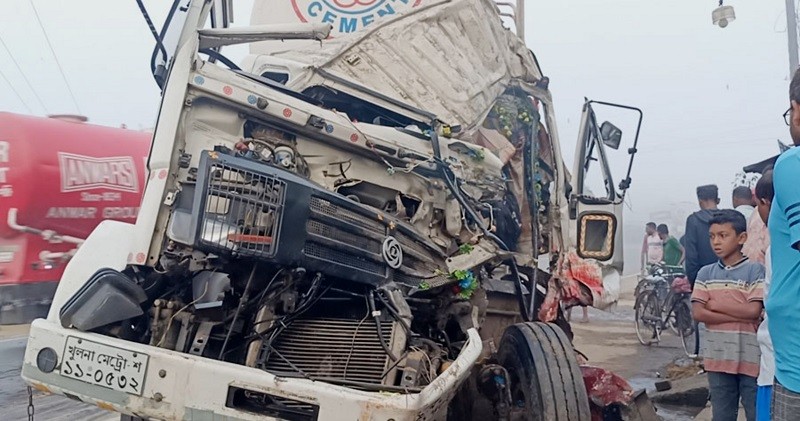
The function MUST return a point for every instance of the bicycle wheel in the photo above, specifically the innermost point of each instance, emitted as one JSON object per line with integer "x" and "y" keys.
{"x": 672, "y": 318}
{"x": 686, "y": 327}
{"x": 648, "y": 318}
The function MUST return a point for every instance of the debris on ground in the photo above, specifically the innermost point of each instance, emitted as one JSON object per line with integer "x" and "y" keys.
{"x": 663, "y": 385}
{"x": 612, "y": 397}
{"x": 683, "y": 368}
{"x": 687, "y": 391}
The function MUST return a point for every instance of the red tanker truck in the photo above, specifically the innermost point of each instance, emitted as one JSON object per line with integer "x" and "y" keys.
{"x": 59, "y": 177}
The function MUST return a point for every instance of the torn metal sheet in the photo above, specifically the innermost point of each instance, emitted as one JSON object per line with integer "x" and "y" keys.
{"x": 449, "y": 58}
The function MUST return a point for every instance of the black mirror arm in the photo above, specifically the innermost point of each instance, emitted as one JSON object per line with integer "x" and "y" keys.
{"x": 632, "y": 151}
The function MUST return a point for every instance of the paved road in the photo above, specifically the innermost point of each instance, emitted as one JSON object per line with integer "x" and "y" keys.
{"x": 14, "y": 396}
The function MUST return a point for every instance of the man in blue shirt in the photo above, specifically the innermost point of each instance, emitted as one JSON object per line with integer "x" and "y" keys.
{"x": 783, "y": 306}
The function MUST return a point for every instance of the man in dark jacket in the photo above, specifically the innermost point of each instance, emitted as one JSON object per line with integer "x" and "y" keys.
{"x": 698, "y": 247}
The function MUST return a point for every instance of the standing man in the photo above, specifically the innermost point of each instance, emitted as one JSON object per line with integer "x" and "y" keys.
{"x": 743, "y": 201}
{"x": 697, "y": 245}
{"x": 673, "y": 250}
{"x": 652, "y": 246}
{"x": 783, "y": 306}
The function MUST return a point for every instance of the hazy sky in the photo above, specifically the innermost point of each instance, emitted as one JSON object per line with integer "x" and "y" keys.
{"x": 712, "y": 97}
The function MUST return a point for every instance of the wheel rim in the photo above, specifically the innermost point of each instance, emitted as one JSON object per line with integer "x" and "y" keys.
{"x": 544, "y": 379}
{"x": 519, "y": 378}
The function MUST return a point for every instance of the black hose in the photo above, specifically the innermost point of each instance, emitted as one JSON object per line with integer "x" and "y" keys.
{"x": 242, "y": 301}
{"x": 533, "y": 210}
{"x": 437, "y": 153}
{"x": 218, "y": 56}
{"x": 371, "y": 300}
{"x": 286, "y": 320}
{"x": 159, "y": 43}
{"x": 160, "y": 40}
{"x": 396, "y": 315}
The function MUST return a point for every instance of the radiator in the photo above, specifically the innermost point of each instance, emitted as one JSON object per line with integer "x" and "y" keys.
{"x": 342, "y": 349}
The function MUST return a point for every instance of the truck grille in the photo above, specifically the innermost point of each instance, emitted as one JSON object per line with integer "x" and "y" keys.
{"x": 241, "y": 210}
{"x": 246, "y": 209}
{"x": 347, "y": 238}
{"x": 321, "y": 206}
{"x": 332, "y": 348}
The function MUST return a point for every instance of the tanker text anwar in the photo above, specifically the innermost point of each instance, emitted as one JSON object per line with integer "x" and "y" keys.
{"x": 84, "y": 172}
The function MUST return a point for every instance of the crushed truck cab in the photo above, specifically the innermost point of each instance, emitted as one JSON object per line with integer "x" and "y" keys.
{"x": 370, "y": 225}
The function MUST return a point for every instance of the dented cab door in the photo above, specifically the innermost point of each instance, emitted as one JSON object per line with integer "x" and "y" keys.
{"x": 603, "y": 163}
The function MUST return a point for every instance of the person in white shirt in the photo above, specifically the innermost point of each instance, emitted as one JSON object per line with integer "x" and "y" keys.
{"x": 743, "y": 201}
{"x": 652, "y": 246}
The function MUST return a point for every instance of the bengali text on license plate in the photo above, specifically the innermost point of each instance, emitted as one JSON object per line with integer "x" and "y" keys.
{"x": 103, "y": 365}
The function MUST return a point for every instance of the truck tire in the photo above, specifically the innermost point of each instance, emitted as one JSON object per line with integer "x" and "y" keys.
{"x": 544, "y": 377}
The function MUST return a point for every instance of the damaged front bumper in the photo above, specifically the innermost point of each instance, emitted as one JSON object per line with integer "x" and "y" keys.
{"x": 180, "y": 386}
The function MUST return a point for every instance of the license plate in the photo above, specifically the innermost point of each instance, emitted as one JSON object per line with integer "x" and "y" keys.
{"x": 103, "y": 365}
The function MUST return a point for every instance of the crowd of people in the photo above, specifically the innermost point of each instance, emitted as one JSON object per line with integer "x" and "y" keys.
{"x": 744, "y": 267}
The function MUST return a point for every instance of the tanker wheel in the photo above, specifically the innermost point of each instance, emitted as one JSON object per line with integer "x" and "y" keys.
{"x": 544, "y": 378}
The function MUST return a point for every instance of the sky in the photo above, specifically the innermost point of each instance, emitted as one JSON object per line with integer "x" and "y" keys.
{"x": 712, "y": 97}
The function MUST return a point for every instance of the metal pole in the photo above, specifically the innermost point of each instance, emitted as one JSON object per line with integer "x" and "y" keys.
{"x": 520, "y": 16}
{"x": 791, "y": 32}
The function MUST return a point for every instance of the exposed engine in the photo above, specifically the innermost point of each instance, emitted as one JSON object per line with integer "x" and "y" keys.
{"x": 373, "y": 214}
{"x": 299, "y": 256}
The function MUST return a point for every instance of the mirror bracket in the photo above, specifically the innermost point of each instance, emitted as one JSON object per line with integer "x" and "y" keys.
{"x": 573, "y": 207}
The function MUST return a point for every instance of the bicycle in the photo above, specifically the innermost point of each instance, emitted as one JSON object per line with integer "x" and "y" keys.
{"x": 663, "y": 301}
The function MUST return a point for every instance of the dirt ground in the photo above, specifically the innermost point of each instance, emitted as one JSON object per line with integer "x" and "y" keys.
{"x": 609, "y": 341}
{"x": 14, "y": 331}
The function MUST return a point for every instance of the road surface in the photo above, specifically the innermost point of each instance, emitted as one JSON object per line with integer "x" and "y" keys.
{"x": 14, "y": 395}
{"x": 608, "y": 340}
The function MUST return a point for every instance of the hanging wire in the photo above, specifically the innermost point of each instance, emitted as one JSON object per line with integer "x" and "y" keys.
{"x": 53, "y": 51}
{"x": 10, "y": 85}
{"x": 24, "y": 76}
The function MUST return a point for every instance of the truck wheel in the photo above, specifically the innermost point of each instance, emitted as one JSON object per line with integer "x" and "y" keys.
{"x": 544, "y": 378}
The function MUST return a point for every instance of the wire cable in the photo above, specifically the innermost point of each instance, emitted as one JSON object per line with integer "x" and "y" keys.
{"x": 10, "y": 85}
{"x": 53, "y": 51}
{"x": 24, "y": 76}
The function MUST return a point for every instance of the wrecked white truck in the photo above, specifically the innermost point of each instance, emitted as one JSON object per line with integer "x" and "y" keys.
{"x": 366, "y": 226}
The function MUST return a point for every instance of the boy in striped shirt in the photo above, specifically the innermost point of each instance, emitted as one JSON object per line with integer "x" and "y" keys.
{"x": 728, "y": 297}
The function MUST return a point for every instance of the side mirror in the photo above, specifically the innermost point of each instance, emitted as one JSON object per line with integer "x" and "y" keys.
{"x": 611, "y": 134}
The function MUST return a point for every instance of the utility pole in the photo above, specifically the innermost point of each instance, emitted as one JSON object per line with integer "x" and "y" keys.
{"x": 520, "y": 16}
{"x": 791, "y": 32}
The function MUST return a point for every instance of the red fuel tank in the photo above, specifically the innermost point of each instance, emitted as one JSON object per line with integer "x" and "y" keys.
{"x": 67, "y": 176}
{"x": 59, "y": 178}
